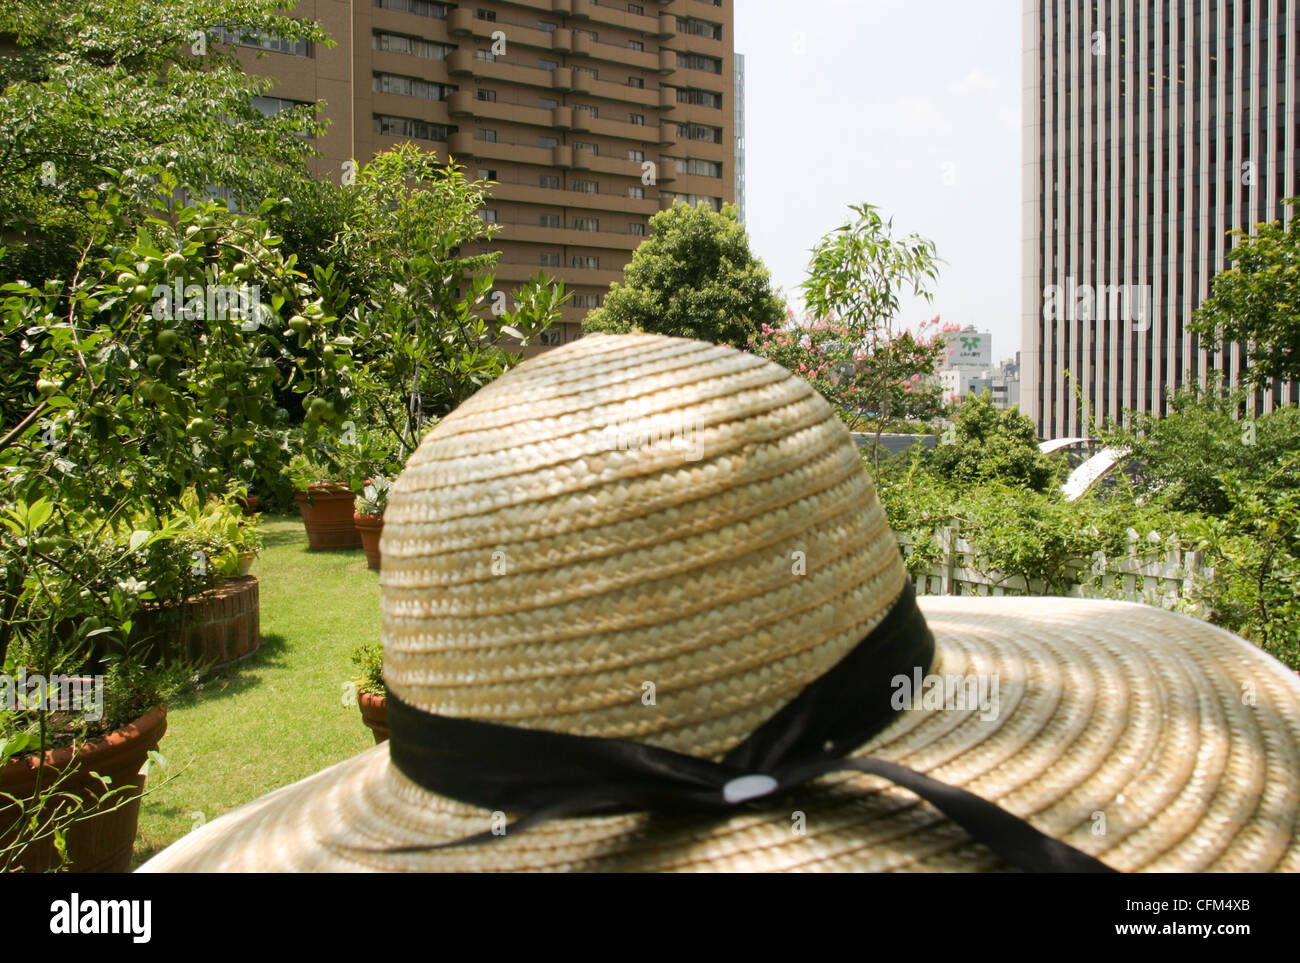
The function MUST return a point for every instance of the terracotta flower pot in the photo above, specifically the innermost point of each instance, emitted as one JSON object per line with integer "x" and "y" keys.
{"x": 103, "y": 843}
{"x": 246, "y": 560}
{"x": 370, "y": 527}
{"x": 249, "y": 504}
{"x": 327, "y": 516}
{"x": 374, "y": 713}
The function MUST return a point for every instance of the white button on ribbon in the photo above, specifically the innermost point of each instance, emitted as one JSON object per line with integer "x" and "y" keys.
{"x": 747, "y": 787}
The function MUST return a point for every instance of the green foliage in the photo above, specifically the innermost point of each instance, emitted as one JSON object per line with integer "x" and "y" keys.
{"x": 1255, "y": 546}
{"x": 423, "y": 343}
{"x": 1183, "y": 456}
{"x": 1197, "y": 486}
{"x": 694, "y": 277}
{"x": 368, "y": 657}
{"x": 125, "y": 88}
{"x": 986, "y": 443}
{"x": 1256, "y": 301}
{"x": 111, "y": 375}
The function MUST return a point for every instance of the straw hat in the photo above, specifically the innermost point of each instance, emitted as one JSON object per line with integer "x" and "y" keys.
{"x": 648, "y": 540}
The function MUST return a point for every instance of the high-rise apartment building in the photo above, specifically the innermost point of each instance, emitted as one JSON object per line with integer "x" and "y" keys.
{"x": 1151, "y": 128}
{"x": 591, "y": 115}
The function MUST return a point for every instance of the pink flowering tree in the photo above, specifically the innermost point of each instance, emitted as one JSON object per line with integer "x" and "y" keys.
{"x": 826, "y": 353}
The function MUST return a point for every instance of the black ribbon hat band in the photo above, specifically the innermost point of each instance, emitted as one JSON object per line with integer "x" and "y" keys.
{"x": 547, "y": 775}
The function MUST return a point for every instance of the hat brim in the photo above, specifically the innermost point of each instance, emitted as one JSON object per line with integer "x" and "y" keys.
{"x": 1150, "y": 740}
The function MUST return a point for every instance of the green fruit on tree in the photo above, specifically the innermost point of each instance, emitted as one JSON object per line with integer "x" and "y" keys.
{"x": 156, "y": 392}
{"x": 128, "y": 279}
{"x": 200, "y": 427}
{"x": 298, "y": 324}
{"x": 242, "y": 270}
{"x": 167, "y": 339}
{"x": 46, "y": 387}
{"x": 174, "y": 262}
{"x": 139, "y": 294}
{"x": 154, "y": 362}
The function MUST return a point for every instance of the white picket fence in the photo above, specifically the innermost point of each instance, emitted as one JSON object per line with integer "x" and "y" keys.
{"x": 1162, "y": 574}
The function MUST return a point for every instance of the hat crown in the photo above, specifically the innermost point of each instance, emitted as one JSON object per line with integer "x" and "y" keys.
{"x": 632, "y": 536}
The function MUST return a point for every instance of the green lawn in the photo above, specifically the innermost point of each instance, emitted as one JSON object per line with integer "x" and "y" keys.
{"x": 279, "y": 716}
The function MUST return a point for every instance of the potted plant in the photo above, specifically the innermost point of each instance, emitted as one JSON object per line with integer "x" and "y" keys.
{"x": 325, "y": 503}
{"x": 372, "y": 695}
{"x": 368, "y": 516}
{"x": 82, "y": 708}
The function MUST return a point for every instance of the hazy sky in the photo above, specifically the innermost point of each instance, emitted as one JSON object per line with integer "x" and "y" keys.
{"x": 869, "y": 100}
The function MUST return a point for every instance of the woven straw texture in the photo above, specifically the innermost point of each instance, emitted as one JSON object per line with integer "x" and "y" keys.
{"x": 638, "y": 515}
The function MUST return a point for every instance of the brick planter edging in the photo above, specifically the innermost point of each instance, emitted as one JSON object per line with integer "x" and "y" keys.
{"x": 219, "y": 626}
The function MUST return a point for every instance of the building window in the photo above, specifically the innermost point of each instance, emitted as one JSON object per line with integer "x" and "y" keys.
{"x": 489, "y": 95}
{"x": 548, "y": 103}
{"x": 586, "y": 300}
{"x": 484, "y": 55}
{"x": 588, "y": 108}
{"x": 410, "y": 87}
{"x": 545, "y": 26}
{"x": 270, "y": 106}
{"x": 485, "y": 174}
{"x": 550, "y": 260}
{"x": 410, "y": 127}
{"x": 699, "y": 28}
{"x": 699, "y": 62}
{"x": 489, "y": 15}
{"x": 582, "y": 145}
{"x": 547, "y": 64}
{"x": 249, "y": 37}
{"x": 585, "y": 224}
{"x": 422, "y": 8}
{"x": 415, "y": 46}
{"x": 590, "y": 262}
{"x": 590, "y": 72}
{"x": 545, "y": 141}
{"x": 636, "y": 120}
{"x": 636, "y": 228}
{"x": 701, "y": 98}
{"x": 692, "y": 199}
{"x": 488, "y": 135}
{"x": 551, "y": 181}
{"x": 550, "y": 220}
{"x": 635, "y": 45}
{"x": 636, "y": 8}
{"x": 712, "y": 135}
{"x": 488, "y": 214}
{"x": 636, "y": 193}
{"x": 586, "y": 187}
{"x": 635, "y": 82}
{"x": 591, "y": 35}
{"x": 700, "y": 168}
{"x": 550, "y": 337}
{"x": 636, "y": 155}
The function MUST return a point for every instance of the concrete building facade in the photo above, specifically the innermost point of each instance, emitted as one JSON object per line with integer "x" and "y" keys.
{"x": 1151, "y": 129}
{"x": 592, "y": 115}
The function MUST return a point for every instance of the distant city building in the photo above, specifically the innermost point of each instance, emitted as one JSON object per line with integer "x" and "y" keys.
{"x": 1002, "y": 383}
{"x": 968, "y": 369}
{"x": 1151, "y": 128}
